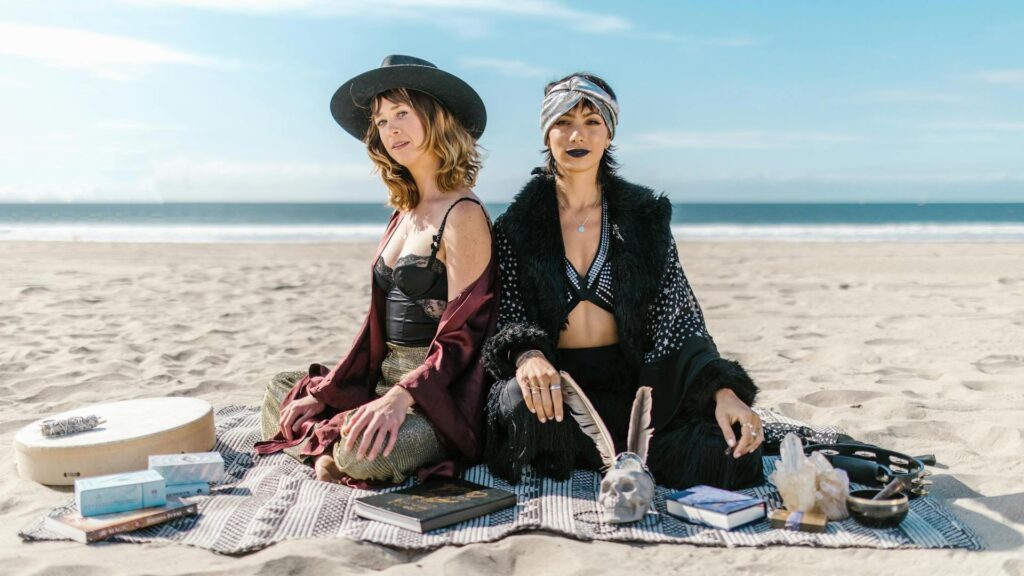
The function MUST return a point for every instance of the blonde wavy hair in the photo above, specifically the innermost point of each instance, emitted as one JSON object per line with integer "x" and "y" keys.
{"x": 445, "y": 137}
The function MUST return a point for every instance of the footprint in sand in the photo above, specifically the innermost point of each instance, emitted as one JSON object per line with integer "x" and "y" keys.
{"x": 993, "y": 387}
{"x": 29, "y": 290}
{"x": 1000, "y": 364}
{"x": 887, "y": 342}
{"x": 832, "y": 398}
{"x": 897, "y": 374}
{"x": 803, "y": 336}
{"x": 182, "y": 356}
{"x": 993, "y": 439}
{"x": 796, "y": 354}
{"x": 935, "y": 430}
{"x": 893, "y": 322}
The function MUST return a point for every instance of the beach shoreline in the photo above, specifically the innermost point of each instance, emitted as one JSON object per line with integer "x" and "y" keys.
{"x": 915, "y": 346}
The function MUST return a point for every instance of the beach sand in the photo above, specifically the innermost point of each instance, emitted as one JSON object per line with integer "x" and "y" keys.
{"x": 918, "y": 347}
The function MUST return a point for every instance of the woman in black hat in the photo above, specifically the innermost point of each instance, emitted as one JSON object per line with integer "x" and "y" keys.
{"x": 409, "y": 395}
{"x": 592, "y": 285}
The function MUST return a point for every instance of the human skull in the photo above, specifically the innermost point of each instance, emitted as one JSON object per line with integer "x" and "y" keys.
{"x": 626, "y": 490}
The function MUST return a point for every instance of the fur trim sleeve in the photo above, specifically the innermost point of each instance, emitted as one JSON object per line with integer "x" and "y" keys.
{"x": 503, "y": 348}
{"x": 516, "y": 333}
{"x": 716, "y": 375}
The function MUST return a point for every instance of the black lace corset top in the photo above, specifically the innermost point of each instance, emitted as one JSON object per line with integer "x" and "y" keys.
{"x": 416, "y": 294}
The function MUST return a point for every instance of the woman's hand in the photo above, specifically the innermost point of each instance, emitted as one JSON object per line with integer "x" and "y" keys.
{"x": 296, "y": 413}
{"x": 541, "y": 385}
{"x": 729, "y": 410}
{"x": 376, "y": 422}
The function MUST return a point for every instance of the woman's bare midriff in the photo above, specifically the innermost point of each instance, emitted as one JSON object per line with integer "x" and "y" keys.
{"x": 589, "y": 327}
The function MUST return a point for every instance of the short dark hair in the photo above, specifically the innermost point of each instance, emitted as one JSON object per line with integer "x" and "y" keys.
{"x": 609, "y": 166}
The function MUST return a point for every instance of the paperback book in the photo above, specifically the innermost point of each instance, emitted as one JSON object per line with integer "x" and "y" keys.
{"x": 69, "y": 523}
{"x": 434, "y": 504}
{"x": 714, "y": 507}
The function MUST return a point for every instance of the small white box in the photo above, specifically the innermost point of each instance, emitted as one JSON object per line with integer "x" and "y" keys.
{"x": 120, "y": 492}
{"x": 188, "y": 468}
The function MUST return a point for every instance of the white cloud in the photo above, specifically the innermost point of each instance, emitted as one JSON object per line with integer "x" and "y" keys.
{"x": 132, "y": 126}
{"x": 735, "y": 42}
{"x": 912, "y": 96}
{"x": 113, "y": 57}
{"x": 136, "y": 192}
{"x": 513, "y": 68}
{"x": 979, "y": 126}
{"x": 1002, "y": 76}
{"x": 878, "y": 178}
{"x": 187, "y": 180}
{"x": 428, "y": 10}
{"x": 734, "y": 140}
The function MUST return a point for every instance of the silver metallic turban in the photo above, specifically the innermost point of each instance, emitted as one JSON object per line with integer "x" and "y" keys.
{"x": 566, "y": 95}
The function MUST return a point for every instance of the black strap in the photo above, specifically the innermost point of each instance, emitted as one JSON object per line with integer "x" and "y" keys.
{"x": 435, "y": 245}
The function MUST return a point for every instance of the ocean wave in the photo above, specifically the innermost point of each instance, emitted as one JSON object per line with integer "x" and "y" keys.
{"x": 903, "y": 232}
{"x": 314, "y": 233}
{"x": 191, "y": 233}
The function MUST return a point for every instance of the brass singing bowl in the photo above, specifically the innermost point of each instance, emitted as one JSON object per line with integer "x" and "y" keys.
{"x": 886, "y": 513}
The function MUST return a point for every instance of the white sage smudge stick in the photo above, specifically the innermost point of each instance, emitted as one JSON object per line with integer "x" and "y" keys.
{"x": 72, "y": 425}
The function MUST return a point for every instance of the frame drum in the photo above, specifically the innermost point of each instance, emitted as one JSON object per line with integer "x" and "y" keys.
{"x": 134, "y": 429}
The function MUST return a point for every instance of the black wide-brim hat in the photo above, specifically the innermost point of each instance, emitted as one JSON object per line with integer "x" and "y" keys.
{"x": 350, "y": 105}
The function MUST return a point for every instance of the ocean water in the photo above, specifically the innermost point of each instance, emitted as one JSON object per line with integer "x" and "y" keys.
{"x": 212, "y": 222}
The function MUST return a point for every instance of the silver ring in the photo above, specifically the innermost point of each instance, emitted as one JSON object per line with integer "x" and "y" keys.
{"x": 555, "y": 387}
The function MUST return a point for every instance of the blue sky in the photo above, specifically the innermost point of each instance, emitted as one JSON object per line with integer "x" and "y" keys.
{"x": 227, "y": 100}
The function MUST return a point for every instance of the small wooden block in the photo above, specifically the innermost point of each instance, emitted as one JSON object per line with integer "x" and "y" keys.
{"x": 798, "y": 521}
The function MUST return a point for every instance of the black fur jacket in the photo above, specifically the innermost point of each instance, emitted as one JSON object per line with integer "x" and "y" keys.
{"x": 661, "y": 327}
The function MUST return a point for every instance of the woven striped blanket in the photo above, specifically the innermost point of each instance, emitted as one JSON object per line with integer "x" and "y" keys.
{"x": 275, "y": 498}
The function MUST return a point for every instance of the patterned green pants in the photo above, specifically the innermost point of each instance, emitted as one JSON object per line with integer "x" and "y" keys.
{"x": 418, "y": 443}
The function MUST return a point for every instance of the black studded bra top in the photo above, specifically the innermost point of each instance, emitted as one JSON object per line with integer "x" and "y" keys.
{"x": 596, "y": 285}
{"x": 416, "y": 292}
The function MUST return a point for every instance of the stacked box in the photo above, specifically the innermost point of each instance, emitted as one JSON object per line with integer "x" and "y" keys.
{"x": 120, "y": 492}
{"x": 188, "y": 468}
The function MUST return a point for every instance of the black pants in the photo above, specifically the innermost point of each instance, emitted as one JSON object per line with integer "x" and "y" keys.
{"x": 689, "y": 451}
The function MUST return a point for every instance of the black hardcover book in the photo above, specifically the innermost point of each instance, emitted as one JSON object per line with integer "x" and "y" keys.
{"x": 434, "y": 504}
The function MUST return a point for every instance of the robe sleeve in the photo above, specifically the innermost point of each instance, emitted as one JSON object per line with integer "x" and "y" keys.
{"x": 681, "y": 358}
{"x": 515, "y": 332}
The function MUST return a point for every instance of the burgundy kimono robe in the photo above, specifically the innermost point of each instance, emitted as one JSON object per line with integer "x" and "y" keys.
{"x": 449, "y": 388}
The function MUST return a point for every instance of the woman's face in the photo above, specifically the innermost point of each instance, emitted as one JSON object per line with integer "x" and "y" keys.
{"x": 578, "y": 139}
{"x": 401, "y": 131}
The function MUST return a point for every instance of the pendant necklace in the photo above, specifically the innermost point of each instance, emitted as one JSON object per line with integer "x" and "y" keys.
{"x": 582, "y": 226}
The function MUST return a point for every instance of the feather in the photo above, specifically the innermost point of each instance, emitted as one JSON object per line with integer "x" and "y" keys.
{"x": 589, "y": 420}
{"x": 640, "y": 430}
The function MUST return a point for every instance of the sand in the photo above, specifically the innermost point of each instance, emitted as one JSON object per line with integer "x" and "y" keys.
{"x": 918, "y": 347}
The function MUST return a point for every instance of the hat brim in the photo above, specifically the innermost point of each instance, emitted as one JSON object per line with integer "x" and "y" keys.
{"x": 350, "y": 104}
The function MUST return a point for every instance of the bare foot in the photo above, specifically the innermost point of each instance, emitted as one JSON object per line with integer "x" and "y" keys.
{"x": 327, "y": 470}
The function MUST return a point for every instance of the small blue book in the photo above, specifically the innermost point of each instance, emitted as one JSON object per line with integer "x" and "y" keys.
{"x": 715, "y": 507}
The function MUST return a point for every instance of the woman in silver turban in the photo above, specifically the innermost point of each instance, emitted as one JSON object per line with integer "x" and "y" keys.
{"x": 592, "y": 285}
